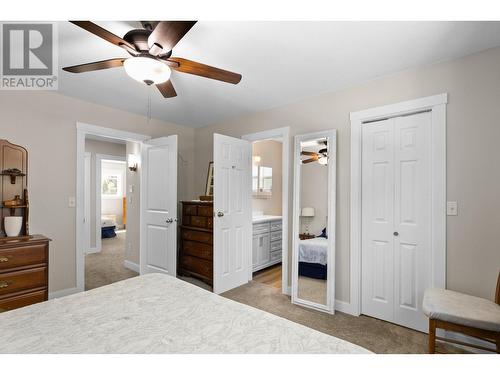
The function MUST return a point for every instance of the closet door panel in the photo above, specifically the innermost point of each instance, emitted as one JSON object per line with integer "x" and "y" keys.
{"x": 378, "y": 221}
{"x": 412, "y": 214}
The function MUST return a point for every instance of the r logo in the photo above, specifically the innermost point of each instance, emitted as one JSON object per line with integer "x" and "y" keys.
{"x": 27, "y": 49}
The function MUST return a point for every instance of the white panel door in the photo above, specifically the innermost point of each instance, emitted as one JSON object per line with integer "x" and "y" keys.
{"x": 233, "y": 212}
{"x": 159, "y": 206}
{"x": 396, "y": 223}
{"x": 378, "y": 222}
{"x": 412, "y": 218}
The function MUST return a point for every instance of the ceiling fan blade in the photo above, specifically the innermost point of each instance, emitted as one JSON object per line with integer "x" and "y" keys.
{"x": 192, "y": 67}
{"x": 168, "y": 33}
{"x": 310, "y": 153}
{"x": 309, "y": 160}
{"x": 98, "y": 65}
{"x": 104, "y": 34}
{"x": 167, "y": 89}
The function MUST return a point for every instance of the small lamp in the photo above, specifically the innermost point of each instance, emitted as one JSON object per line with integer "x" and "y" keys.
{"x": 132, "y": 162}
{"x": 307, "y": 212}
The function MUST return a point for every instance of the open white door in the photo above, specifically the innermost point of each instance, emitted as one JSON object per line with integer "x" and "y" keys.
{"x": 159, "y": 206}
{"x": 232, "y": 211}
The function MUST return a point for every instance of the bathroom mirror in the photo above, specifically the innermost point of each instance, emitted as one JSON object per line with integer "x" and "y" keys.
{"x": 313, "y": 279}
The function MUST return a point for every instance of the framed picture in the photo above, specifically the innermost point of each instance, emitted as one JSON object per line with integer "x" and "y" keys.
{"x": 209, "y": 190}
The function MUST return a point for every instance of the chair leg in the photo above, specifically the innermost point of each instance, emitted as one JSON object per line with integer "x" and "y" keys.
{"x": 432, "y": 336}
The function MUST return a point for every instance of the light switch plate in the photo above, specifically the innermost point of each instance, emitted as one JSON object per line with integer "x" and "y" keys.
{"x": 452, "y": 208}
{"x": 71, "y": 202}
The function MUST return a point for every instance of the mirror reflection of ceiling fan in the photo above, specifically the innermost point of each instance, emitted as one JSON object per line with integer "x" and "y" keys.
{"x": 151, "y": 58}
{"x": 321, "y": 156}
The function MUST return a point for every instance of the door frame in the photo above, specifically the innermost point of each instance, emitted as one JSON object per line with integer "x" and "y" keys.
{"x": 283, "y": 134}
{"x": 437, "y": 105}
{"x": 98, "y": 196}
{"x": 82, "y": 130}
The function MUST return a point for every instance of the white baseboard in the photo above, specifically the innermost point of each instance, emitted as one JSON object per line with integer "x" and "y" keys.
{"x": 344, "y": 307}
{"x": 287, "y": 290}
{"x": 132, "y": 266}
{"x": 93, "y": 250}
{"x": 63, "y": 293}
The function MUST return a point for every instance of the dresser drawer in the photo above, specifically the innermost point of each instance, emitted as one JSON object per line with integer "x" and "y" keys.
{"x": 275, "y": 255}
{"x": 197, "y": 265}
{"x": 205, "y": 211}
{"x": 11, "y": 282}
{"x": 276, "y": 225}
{"x": 197, "y": 249}
{"x": 261, "y": 228}
{"x": 23, "y": 256}
{"x": 275, "y": 236}
{"x": 190, "y": 209}
{"x": 11, "y": 303}
{"x": 276, "y": 245}
{"x": 199, "y": 221}
{"x": 199, "y": 236}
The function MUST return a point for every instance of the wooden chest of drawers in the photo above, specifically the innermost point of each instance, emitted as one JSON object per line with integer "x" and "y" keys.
{"x": 196, "y": 241}
{"x": 24, "y": 271}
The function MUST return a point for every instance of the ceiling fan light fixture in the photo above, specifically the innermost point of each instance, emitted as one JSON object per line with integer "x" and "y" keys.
{"x": 323, "y": 160}
{"x": 147, "y": 69}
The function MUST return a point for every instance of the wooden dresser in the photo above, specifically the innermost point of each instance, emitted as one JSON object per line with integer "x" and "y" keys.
{"x": 24, "y": 271}
{"x": 196, "y": 241}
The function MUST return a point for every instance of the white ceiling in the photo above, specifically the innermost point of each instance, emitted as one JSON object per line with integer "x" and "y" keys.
{"x": 281, "y": 62}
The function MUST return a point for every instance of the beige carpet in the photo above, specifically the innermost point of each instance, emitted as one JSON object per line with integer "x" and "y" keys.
{"x": 106, "y": 267}
{"x": 373, "y": 334}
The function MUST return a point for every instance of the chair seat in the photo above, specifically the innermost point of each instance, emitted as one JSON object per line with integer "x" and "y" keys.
{"x": 459, "y": 308}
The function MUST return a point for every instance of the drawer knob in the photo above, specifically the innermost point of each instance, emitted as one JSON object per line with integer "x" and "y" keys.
{"x": 4, "y": 259}
{"x": 3, "y": 284}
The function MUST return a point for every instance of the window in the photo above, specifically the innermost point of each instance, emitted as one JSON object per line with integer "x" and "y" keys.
{"x": 262, "y": 181}
{"x": 110, "y": 185}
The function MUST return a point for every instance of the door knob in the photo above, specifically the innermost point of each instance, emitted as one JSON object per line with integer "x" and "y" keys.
{"x": 220, "y": 214}
{"x": 170, "y": 220}
{"x": 396, "y": 234}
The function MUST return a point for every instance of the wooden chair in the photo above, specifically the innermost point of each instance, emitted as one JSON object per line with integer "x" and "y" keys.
{"x": 457, "y": 312}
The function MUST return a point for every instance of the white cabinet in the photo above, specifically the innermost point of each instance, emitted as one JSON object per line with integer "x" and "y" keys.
{"x": 266, "y": 244}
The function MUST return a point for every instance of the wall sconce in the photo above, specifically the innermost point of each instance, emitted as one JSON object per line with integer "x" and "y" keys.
{"x": 256, "y": 159}
{"x": 133, "y": 161}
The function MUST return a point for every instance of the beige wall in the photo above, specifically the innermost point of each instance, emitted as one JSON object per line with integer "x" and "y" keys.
{"x": 270, "y": 153}
{"x": 45, "y": 123}
{"x": 473, "y": 155}
{"x": 95, "y": 147}
{"x": 314, "y": 193}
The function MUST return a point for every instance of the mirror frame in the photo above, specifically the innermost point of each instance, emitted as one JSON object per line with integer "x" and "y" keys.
{"x": 331, "y": 223}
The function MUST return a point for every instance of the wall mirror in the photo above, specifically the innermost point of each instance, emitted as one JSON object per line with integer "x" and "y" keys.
{"x": 313, "y": 278}
{"x": 262, "y": 181}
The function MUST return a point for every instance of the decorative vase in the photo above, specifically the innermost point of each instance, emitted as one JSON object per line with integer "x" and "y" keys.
{"x": 13, "y": 225}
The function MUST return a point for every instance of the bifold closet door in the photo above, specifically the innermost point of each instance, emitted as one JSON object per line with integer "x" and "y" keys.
{"x": 396, "y": 224}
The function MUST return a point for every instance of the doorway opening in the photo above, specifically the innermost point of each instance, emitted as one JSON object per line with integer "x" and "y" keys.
{"x": 270, "y": 154}
{"x": 107, "y": 259}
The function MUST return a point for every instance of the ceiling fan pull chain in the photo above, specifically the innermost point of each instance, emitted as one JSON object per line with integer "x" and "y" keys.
{"x": 149, "y": 104}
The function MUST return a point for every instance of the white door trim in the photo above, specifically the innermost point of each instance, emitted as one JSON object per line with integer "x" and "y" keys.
{"x": 437, "y": 105}
{"x": 82, "y": 130}
{"x": 98, "y": 196}
{"x": 284, "y": 135}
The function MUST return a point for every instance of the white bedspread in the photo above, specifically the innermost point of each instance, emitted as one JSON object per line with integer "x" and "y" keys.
{"x": 156, "y": 314}
{"x": 314, "y": 250}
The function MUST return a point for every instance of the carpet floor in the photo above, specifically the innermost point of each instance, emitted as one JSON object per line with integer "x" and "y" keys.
{"x": 107, "y": 267}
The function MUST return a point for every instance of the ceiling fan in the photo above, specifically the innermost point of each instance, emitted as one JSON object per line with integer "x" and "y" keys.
{"x": 321, "y": 156}
{"x": 151, "y": 58}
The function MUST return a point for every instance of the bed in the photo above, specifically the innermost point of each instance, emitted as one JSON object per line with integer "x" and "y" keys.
{"x": 313, "y": 257}
{"x": 156, "y": 313}
{"x": 108, "y": 226}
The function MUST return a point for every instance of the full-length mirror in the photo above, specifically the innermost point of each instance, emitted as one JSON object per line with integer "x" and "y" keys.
{"x": 313, "y": 281}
